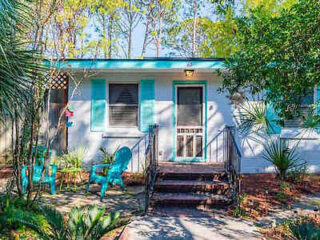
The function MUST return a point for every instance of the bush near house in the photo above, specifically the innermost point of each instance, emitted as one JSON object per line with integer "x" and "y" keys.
{"x": 21, "y": 219}
{"x": 300, "y": 228}
{"x": 282, "y": 157}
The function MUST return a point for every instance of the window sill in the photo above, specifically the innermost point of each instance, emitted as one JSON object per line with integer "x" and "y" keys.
{"x": 122, "y": 133}
{"x": 299, "y": 133}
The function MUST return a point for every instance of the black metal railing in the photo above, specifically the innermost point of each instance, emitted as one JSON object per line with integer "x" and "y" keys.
{"x": 138, "y": 161}
{"x": 223, "y": 149}
{"x": 151, "y": 160}
{"x": 232, "y": 161}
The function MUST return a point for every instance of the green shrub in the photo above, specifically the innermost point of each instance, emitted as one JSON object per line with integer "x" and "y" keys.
{"x": 298, "y": 173}
{"x": 73, "y": 159}
{"x": 12, "y": 209}
{"x": 239, "y": 211}
{"x": 283, "y": 158}
{"x": 107, "y": 158}
{"x": 83, "y": 223}
{"x": 45, "y": 222}
{"x": 88, "y": 222}
{"x": 305, "y": 230}
{"x": 281, "y": 196}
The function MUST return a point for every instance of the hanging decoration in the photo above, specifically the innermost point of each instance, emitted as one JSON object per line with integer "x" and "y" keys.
{"x": 69, "y": 124}
{"x": 69, "y": 113}
{"x": 70, "y": 109}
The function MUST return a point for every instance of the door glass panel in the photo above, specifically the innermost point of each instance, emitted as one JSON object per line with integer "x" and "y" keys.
{"x": 199, "y": 146}
{"x": 189, "y": 106}
{"x": 189, "y": 146}
{"x": 180, "y": 146}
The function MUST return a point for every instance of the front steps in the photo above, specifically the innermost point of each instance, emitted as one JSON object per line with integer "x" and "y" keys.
{"x": 195, "y": 186}
{"x": 187, "y": 186}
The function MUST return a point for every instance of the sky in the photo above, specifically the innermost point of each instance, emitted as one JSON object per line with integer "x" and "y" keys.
{"x": 206, "y": 10}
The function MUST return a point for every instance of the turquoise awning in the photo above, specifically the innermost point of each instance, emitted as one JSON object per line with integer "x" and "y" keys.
{"x": 138, "y": 64}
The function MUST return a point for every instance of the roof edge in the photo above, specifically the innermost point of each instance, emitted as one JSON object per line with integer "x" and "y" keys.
{"x": 139, "y": 59}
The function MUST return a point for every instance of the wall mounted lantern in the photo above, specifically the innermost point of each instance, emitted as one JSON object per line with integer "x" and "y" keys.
{"x": 189, "y": 72}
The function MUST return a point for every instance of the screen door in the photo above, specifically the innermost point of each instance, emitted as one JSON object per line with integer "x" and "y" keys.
{"x": 189, "y": 112}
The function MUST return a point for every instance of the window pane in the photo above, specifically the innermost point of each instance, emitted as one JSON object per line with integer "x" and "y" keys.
{"x": 189, "y": 106}
{"x": 123, "y": 116}
{"x": 123, "y": 105}
{"x": 123, "y": 93}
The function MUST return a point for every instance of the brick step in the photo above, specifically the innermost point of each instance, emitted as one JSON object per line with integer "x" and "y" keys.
{"x": 190, "y": 200}
{"x": 181, "y": 186}
{"x": 198, "y": 176}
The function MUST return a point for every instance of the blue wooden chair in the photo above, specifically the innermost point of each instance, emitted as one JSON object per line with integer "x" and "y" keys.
{"x": 37, "y": 171}
{"x": 36, "y": 177}
{"x": 120, "y": 164}
{"x": 41, "y": 154}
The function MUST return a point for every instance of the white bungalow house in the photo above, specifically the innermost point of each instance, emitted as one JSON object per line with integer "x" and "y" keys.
{"x": 118, "y": 99}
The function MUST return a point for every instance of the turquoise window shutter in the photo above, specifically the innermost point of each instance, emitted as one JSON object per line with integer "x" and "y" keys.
{"x": 318, "y": 104}
{"x": 147, "y": 102}
{"x": 98, "y": 105}
{"x": 273, "y": 118}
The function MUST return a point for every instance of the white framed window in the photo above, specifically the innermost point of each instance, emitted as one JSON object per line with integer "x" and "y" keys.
{"x": 123, "y": 105}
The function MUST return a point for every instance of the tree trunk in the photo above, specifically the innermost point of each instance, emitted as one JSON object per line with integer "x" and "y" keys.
{"x": 159, "y": 37}
{"x": 129, "y": 42}
{"x": 145, "y": 40}
{"x": 17, "y": 167}
{"x": 29, "y": 162}
{"x": 194, "y": 29}
{"x": 110, "y": 28}
{"x": 104, "y": 34}
{"x": 146, "y": 34}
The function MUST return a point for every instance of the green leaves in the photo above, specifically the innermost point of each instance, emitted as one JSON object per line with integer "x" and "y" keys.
{"x": 277, "y": 52}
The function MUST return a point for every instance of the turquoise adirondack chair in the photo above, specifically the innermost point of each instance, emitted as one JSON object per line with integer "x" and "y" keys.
{"x": 37, "y": 172}
{"x": 120, "y": 164}
{"x": 41, "y": 154}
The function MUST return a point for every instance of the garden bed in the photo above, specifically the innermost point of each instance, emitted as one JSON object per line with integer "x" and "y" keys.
{"x": 261, "y": 193}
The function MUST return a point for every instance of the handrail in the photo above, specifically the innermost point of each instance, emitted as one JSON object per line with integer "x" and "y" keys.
{"x": 235, "y": 144}
{"x": 151, "y": 158}
{"x": 233, "y": 162}
{"x": 137, "y": 163}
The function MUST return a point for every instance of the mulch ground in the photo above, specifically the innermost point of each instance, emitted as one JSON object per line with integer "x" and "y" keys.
{"x": 263, "y": 192}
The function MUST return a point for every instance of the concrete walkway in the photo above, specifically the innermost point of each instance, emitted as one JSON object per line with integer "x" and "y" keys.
{"x": 181, "y": 224}
{"x": 190, "y": 228}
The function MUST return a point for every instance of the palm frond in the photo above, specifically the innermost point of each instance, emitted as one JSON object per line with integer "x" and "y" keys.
{"x": 281, "y": 156}
{"x": 252, "y": 118}
{"x": 20, "y": 66}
